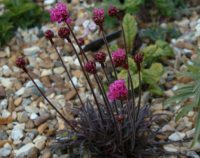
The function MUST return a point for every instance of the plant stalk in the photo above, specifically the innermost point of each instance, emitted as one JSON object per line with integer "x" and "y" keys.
{"x": 68, "y": 75}
{"x": 50, "y": 103}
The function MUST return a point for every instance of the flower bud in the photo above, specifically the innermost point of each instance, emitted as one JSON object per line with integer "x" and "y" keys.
{"x": 64, "y": 32}
{"x": 100, "y": 57}
{"x": 90, "y": 67}
{"x": 138, "y": 58}
{"x": 112, "y": 11}
{"x": 49, "y": 34}
{"x": 98, "y": 16}
{"x": 81, "y": 41}
{"x": 119, "y": 57}
{"x": 20, "y": 62}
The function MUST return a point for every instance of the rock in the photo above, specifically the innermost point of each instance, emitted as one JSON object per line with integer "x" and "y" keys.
{"x": 3, "y": 104}
{"x": 77, "y": 73}
{"x": 40, "y": 142}
{"x": 192, "y": 154}
{"x": 3, "y": 135}
{"x": 17, "y": 132}
{"x": 167, "y": 128}
{"x": 32, "y": 109}
{"x": 6, "y": 150}
{"x": 46, "y": 64}
{"x": 58, "y": 70}
{"x": 2, "y": 92}
{"x": 18, "y": 101}
{"x": 47, "y": 154}
{"x": 190, "y": 133}
{"x": 170, "y": 148}
{"x": 30, "y": 124}
{"x": 32, "y": 51}
{"x": 33, "y": 153}
{"x": 46, "y": 72}
{"x": 23, "y": 151}
{"x": 177, "y": 136}
{"x": 7, "y": 82}
{"x": 43, "y": 118}
{"x": 20, "y": 91}
{"x": 22, "y": 117}
{"x": 42, "y": 127}
{"x": 33, "y": 116}
{"x": 6, "y": 71}
{"x": 70, "y": 95}
{"x": 48, "y": 2}
{"x": 75, "y": 81}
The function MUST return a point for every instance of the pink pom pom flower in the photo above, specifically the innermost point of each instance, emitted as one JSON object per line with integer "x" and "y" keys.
{"x": 119, "y": 57}
{"x": 98, "y": 16}
{"x": 117, "y": 90}
{"x": 60, "y": 13}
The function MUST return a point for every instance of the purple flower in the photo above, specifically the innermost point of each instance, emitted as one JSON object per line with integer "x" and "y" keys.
{"x": 98, "y": 16}
{"x": 117, "y": 90}
{"x": 64, "y": 32}
{"x": 119, "y": 57}
{"x": 60, "y": 13}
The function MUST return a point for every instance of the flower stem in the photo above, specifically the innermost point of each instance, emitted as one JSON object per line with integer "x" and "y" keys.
{"x": 106, "y": 43}
{"x": 50, "y": 103}
{"x": 68, "y": 75}
{"x": 89, "y": 82}
{"x": 140, "y": 93}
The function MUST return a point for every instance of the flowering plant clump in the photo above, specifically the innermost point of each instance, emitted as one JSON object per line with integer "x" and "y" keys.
{"x": 112, "y": 125}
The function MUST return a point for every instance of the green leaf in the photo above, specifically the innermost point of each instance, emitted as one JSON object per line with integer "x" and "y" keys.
{"x": 197, "y": 130}
{"x": 166, "y": 7}
{"x": 184, "y": 111}
{"x": 153, "y": 74}
{"x": 130, "y": 29}
{"x": 132, "y": 6}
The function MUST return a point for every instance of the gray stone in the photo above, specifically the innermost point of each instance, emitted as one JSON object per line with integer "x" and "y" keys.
{"x": 17, "y": 132}
{"x": 23, "y": 151}
{"x": 6, "y": 150}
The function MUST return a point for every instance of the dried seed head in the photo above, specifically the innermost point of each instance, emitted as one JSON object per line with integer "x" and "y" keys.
{"x": 64, "y": 32}
{"x": 20, "y": 62}
{"x": 100, "y": 57}
{"x": 49, "y": 34}
{"x": 90, "y": 67}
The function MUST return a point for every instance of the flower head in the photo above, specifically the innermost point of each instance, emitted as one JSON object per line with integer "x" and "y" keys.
{"x": 98, "y": 16}
{"x": 81, "y": 41}
{"x": 112, "y": 11}
{"x": 64, "y": 32}
{"x": 119, "y": 57}
{"x": 117, "y": 90}
{"x": 20, "y": 62}
{"x": 49, "y": 34}
{"x": 90, "y": 67}
{"x": 100, "y": 57}
{"x": 60, "y": 13}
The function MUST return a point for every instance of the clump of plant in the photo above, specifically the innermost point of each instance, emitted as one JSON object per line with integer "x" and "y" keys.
{"x": 118, "y": 126}
{"x": 19, "y": 13}
{"x": 188, "y": 95}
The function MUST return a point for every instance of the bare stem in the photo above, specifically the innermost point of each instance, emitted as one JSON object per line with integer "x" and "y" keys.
{"x": 106, "y": 43}
{"x": 68, "y": 75}
{"x": 140, "y": 93}
{"x": 50, "y": 103}
{"x": 89, "y": 82}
